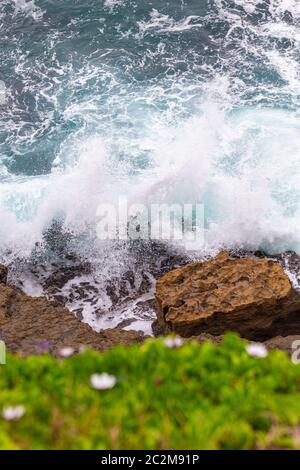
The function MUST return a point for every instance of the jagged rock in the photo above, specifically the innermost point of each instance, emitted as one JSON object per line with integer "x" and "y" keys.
{"x": 64, "y": 274}
{"x": 3, "y": 274}
{"x": 251, "y": 296}
{"x": 27, "y": 324}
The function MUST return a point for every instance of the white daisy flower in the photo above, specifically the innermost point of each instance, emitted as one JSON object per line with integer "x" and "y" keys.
{"x": 66, "y": 352}
{"x": 176, "y": 342}
{"x": 103, "y": 381}
{"x": 13, "y": 413}
{"x": 256, "y": 350}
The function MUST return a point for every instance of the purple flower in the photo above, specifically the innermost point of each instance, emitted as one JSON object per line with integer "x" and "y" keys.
{"x": 45, "y": 346}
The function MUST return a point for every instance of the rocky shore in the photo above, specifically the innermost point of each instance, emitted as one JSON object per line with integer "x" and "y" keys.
{"x": 31, "y": 325}
{"x": 250, "y": 295}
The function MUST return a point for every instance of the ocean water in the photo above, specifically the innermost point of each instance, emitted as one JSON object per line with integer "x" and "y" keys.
{"x": 178, "y": 101}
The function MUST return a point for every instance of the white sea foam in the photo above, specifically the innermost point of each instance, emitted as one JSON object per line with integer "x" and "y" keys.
{"x": 112, "y": 4}
{"x": 28, "y": 7}
{"x": 244, "y": 167}
{"x": 188, "y": 163}
{"x": 280, "y": 6}
{"x": 164, "y": 23}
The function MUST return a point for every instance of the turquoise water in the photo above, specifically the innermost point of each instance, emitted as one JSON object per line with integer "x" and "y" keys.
{"x": 178, "y": 101}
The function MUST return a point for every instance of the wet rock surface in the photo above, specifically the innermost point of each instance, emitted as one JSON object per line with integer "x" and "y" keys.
{"x": 249, "y": 295}
{"x": 61, "y": 276}
{"x": 100, "y": 298}
{"x": 30, "y": 325}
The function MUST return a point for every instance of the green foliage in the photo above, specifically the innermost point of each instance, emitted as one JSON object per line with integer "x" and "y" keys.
{"x": 193, "y": 397}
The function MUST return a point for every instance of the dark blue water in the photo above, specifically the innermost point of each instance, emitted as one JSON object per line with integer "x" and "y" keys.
{"x": 178, "y": 101}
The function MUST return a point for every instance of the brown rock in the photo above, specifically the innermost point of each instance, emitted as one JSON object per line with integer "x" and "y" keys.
{"x": 251, "y": 296}
{"x": 30, "y": 324}
{"x": 284, "y": 343}
{"x": 288, "y": 344}
{"x": 206, "y": 337}
{"x": 3, "y": 274}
